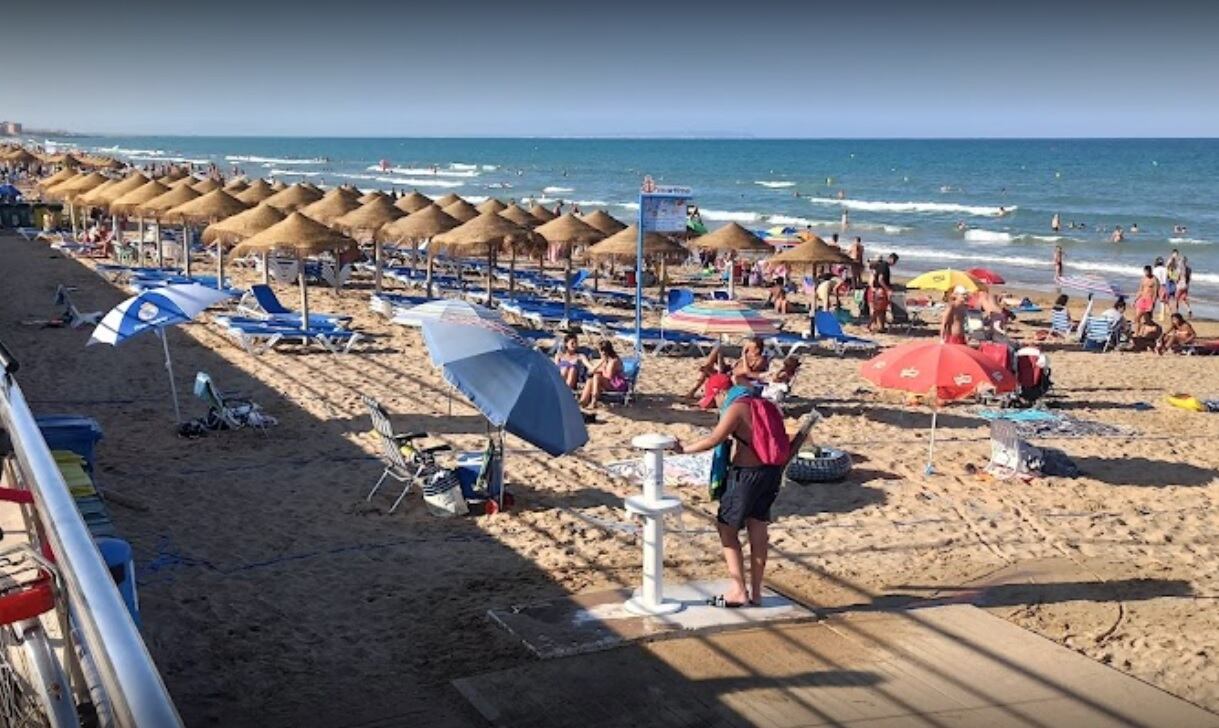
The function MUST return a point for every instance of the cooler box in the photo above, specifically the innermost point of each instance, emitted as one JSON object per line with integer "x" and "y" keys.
{"x": 469, "y": 465}
{"x": 71, "y": 432}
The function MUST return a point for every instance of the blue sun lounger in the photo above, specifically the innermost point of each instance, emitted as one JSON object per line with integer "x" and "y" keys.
{"x": 829, "y": 330}
{"x": 266, "y": 307}
{"x": 260, "y": 335}
{"x": 388, "y": 304}
{"x": 786, "y": 343}
{"x": 662, "y": 341}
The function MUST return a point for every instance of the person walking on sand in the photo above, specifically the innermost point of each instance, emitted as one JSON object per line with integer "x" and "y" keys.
{"x": 749, "y": 484}
{"x": 952, "y": 326}
{"x": 1149, "y": 291}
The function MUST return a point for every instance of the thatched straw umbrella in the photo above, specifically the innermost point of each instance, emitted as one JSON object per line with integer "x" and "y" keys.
{"x": 488, "y": 232}
{"x": 419, "y": 226}
{"x": 303, "y": 235}
{"x": 215, "y": 205}
{"x": 258, "y": 191}
{"x": 109, "y": 163}
{"x": 541, "y": 213}
{"x": 209, "y": 184}
{"x": 568, "y": 231}
{"x": 368, "y": 219}
{"x": 20, "y": 158}
{"x": 462, "y": 210}
{"x": 604, "y": 222}
{"x": 449, "y": 199}
{"x": 279, "y": 185}
{"x": 67, "y": 159}
{"x": 105, "y": 195}
{"x": 333, "y": 205}
{"x": 88, "y": 199}
{"x": 414, "y": 202}
{"x": 187, "y": 181}
{"x": 158, "y": 206}
{"x": 371, "y": 195}
{"x": 733, "y": 239}
{"x": 518, "y": 215}
{"x": 292, "y": 198}
{"x": 60, "y": 176}
{"x": 129, "y": 204}
{"x": 813, "y": 252}
{"x": 232, "y": 230}
{"x": 75, "y": 187}
{"x": 491, "y": 205}
{"x": 235, "y": 185}
{"x": 623, "y": 244}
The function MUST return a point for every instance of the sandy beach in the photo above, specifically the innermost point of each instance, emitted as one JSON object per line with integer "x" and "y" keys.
{"x": 272, "y": 594}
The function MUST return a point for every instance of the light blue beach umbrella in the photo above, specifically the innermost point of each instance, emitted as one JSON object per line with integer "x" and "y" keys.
{"x": 515, "y": 387}
{"x": 153, "y": 310}
{"x": 446, "y": 309}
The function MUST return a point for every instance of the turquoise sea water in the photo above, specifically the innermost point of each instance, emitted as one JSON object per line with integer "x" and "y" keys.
{"x": 904, "y": 196}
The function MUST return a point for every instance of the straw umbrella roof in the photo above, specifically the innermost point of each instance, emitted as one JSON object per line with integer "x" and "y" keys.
{"x": 370, "y": 216}
{"x": 60, "y": 176}
{"x": 103, "y": 163}
{"x": 414, "y": 202}
{"x": 112, "y": 192}
{"x": 76, "y": 187}
{"x": 208, "y": 185}
{"x": 20, "y": 156}
{"x": 67, "y": 159}
{"x": 132, "y": 201}
{"x": 52, "y": 189}
{"x": 518, "y": 215}
{"x": 235, "y": 185}
{"x": 215, "y": 205}
{"x": 542, "y": 213}
{"x": 568, "y": 229}
{"x": 173, "y": 184}
{"x": 623, "y": 244}
{"x": 243, "y": 224}
{"x": 296, "y": 232}
{"x": 491, "y": 204}
{"x": 426, "y": 223}
{"x": 731, "y": 237}
{"x": 371, "y": 195}
{"x": 158, "y": 206}
{"x": 333, "y": 205}
{"x": 449, "y": 199}
{"x": 813, "y": 251}
{"x": 462, "y": 210}
{"x": 174, "y": 174}
{"x": 604, "y": 222}
{"x": 290, "y": 198}
{"x": 89, "y": 199}
{"x": 256, "y": 192}
{"x": 278, "y": 185}
{"x": 486, "y": 232}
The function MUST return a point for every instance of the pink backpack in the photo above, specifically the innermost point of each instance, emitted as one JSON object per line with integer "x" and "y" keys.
{"x": 770, "y": 441}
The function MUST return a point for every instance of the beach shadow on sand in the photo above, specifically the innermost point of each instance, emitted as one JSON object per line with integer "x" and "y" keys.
{"x": 815, "y": 498}
{"x": 1145, "y": 472}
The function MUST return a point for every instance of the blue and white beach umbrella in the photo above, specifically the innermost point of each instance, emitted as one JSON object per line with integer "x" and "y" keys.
{"x": 153, "y": 310}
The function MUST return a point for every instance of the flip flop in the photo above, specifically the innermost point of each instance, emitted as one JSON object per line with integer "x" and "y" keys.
{"x": 719, "y": 601}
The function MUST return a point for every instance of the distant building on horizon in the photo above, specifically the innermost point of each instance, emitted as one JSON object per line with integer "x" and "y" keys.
{"x": 10, "y": 128}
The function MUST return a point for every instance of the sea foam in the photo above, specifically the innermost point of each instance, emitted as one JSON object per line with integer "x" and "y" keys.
{"x": 946, "y": 207}
{"x": 248, "y": 159}
{"x": 774, "y": 184}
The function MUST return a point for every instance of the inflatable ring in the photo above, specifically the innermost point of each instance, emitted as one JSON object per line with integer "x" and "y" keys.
{"x": 1187, "y": 402}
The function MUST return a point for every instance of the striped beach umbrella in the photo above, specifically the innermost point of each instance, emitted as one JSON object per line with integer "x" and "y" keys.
{"x": 153, "y": 310}
{"x": 447, "y": 309}
{"x": 1088, "y": 284}
{"x": 729, "y": 318}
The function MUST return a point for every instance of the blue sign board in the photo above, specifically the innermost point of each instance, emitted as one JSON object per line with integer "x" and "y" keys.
{"x": 662, "y": 209}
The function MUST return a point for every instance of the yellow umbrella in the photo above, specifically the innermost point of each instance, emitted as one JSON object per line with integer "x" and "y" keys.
{"x": 946, "y": 279}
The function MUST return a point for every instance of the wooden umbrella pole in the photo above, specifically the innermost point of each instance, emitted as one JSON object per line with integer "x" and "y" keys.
{"x": 266, "y": 268}
{"x": 139, "y": 243}
{"x": 304, "y": 292}
{"x": 219, "y": 266}
{"x": 512, "y": 273}
{"x": 490, "y": 275}
{"x": 427, "y": 285}
{"x": 376, "y": 262}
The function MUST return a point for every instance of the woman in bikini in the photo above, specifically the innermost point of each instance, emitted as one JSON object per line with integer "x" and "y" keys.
{"x": 1180, "y": 334}
{"x": 572, "y": 363}
{"x": 606, "y": 376}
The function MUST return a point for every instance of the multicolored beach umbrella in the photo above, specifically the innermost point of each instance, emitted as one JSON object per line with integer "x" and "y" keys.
{"x": 153, "y": 310}
{"x": 729, "y": 318}
{"x": 1089, "y": 284}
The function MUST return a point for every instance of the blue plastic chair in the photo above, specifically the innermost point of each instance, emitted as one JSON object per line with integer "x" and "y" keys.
{"x": 830, "y": 329}
{"x": 630, "y": 372}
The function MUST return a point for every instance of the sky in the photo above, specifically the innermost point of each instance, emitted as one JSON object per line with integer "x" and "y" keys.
{"x": 746, "y": 69}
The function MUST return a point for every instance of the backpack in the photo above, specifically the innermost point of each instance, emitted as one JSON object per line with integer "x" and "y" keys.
{"x": 770, "y": 441}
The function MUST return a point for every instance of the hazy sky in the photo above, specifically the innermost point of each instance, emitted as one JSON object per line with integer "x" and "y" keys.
{"x": 749, "y": 68}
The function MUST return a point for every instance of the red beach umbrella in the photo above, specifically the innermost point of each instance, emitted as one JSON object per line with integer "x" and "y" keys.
{"x": 941, "y": 372}
{"x": 987, "y": 276}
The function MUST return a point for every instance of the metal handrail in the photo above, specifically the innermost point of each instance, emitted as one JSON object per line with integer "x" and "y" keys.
{"x": 128, "y": 676}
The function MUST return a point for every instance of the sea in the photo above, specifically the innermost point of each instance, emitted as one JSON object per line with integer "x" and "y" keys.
{"x": 937, "y": 203}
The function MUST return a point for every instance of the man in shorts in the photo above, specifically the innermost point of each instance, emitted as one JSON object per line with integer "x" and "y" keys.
{"x": 750, "y": 491}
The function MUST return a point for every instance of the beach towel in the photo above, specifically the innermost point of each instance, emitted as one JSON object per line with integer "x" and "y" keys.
{"x": 722, "y": 455}
{"x": 679, "y": 469}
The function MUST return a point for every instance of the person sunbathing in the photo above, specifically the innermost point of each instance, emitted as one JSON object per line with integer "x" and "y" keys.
{"x": 1180, "y": 334}
{"x": 572, "y": 363}
{"x": 779, "y": 300}
{"x": 753, "y": 364}
{"x": 713, "y": 363}
{"x": 1146, "y": 334}
{"x": 606, "y": 376}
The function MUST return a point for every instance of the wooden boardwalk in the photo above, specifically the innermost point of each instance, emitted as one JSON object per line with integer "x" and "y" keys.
{"x": 943, "y": 666}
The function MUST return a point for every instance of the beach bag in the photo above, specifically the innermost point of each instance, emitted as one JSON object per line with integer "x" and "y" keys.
{"x": 770, "y": 441}
{"x": 442, "y": 495}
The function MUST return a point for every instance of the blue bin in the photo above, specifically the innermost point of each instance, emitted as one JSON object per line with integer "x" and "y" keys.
{"x": 469, "y": 465}
{"x": 117, "y": 554}
{"x": 71, "y": 432}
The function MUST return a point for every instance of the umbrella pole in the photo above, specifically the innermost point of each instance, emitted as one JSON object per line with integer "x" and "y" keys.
{"x": 186, "y": 249}
{"x": 169, "y": 367}
{"x": 490, "y": 276}
{"x": 512, "y": 273}
{"x": 72, "y": 216}
{"x": 427, "y": 280}
{"x": 731, "y": 277}
{"x": 376, "y": 266}
{"x": 304, "y": 293}
{"x": 160, "y": 247}
{"x": 139, "y": 244}
{"x": 219, "y": 266}
{"x": 930, "y": 469}
{"x": 567, "y": 286}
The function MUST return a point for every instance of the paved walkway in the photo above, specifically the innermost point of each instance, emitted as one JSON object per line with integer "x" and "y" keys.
{"x": 944, "y": 666}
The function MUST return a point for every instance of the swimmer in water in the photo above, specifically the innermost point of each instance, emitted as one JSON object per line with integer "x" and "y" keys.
{"x": 961, "y": 226}
{"x": 1134, "y": 228}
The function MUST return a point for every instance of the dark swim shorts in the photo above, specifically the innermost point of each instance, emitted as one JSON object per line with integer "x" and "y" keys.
{"x": 749, "y": 493}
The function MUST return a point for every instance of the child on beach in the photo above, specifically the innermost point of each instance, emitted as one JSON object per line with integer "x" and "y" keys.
{"x": 878, "y": 306}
